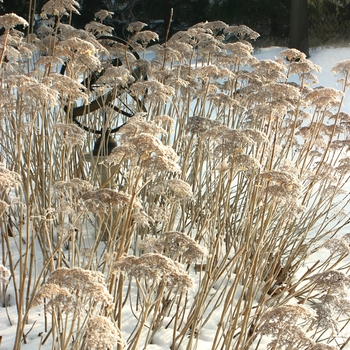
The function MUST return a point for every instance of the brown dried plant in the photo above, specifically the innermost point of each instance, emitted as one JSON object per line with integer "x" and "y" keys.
{"x": 217, "y": 149}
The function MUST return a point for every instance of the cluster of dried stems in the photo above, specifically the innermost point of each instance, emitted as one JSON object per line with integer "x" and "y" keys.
{"x": 227, "y": 176}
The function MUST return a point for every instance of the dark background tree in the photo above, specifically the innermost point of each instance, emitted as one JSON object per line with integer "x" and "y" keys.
{"x": 298, "y": 32}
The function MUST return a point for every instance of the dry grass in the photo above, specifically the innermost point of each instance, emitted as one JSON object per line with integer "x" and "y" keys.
{"x": 226, "y": 169}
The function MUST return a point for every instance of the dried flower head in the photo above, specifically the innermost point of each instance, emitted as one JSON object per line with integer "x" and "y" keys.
{"x": 331, "y": 280}
{"x": 342, "y": 67}
{"x": 79, "y": 53}
{"x": 3, "y": 207}
{"x": 58, "y": 298}
{"x": 176, "y": 190}
{"x": 76, "y": 186}
{"x": 199, "y": 125}
{"x": 282, "y": 184}
{"x": 101, "y": 200}
{"x": 243, "y": 162}
{"x": 97, "y": 28}
{"x": 145, "y": 37}
{"x": 8, "y": 179}
{"x": 59, "y": 8}
{"x": 154, "y": 91}
{"x": 115, "y": 77}
{"x": 322, "y": 346}
{"x": 4, "y": 274}
{"x": 39, "y": 92}
{"x": 178, "y": 244}
{"x": 103, "y": 14}
{"x": 71, "y": 134}
{"x": 324, "y": 97}
{"x": 86, "y": 285}
{"x": 337, "y": 246}
{"x": 102, "y": 334}
{"x": 157, "y": 269}
{"x": 136, "y": 26}
{"x": 68, "y": 87}
{"x": 10, "y": 20}
{"x": 242, "y": 32}
{"x": 293, "y": 55}
{"x": 281, "y": 323}
{"x": 142, "y": 219}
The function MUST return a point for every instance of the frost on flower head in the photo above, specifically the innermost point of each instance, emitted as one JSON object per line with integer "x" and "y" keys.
{"x": 4, "y": 274}
{"x": 242, "y": 32}
{"x": 331, "y": 280}
{"x": 282, "y": 184}
{"x": 79, "y": 52}
{"x": 175, "y": 244}
{"x": 102, "y": 334}
{"x": 59, "y": 8}
{"x": 337, "y": 246}
{"x": 281, "y": 323}
{"x": 10, "y": 20}
{"x": 71, "y": 134}
{"x": 101, "y": 200}
{"x": 136, "y": 26}
{"x": 176, "y": 190}
{"x": 293, "y": 55}
{"x": 156, "y": 268}
{"x": 3, "y": 207}
{"x": 75, "y": 288}
{"x": 115, "y": 77}
{"x": 342, "y": 67}
{"x": 8, "y": 179}
{"x": 103, "y": 14}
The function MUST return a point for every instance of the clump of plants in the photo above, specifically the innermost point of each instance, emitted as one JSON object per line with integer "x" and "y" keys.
{"x": 151, "y": 188}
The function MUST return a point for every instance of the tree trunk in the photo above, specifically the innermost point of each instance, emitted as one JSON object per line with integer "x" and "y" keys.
{"x": 298, "y": 35}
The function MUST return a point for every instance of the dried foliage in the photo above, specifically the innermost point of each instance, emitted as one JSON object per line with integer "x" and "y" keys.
{"x": 220, "y": 173}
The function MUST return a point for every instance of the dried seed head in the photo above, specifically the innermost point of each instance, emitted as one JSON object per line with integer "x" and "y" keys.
{"x": 159, "y": 163}
{"x": 10, "y": 20}
{"x": 3, "y": 207}
{"x": 331, "y": 280}
{"x": 199, "y": 125}
{"x": 97, "y": 28}
{"x": 337, "y": 246}
{"x": 67, "y": 87}
{"x": 87, "y": 285}
{"x": 282, "y": 184}
{"x": 71, "y": 134}
{"x": 103, "y": 14}
{"x": 107, "y": 197}
{"x": 4, "y": 274}
{"x": 342, "y": 67}
{"x": 40, "y": 93}
{"x": 243, "y": 162}
{"x": 59, "y": 8}
{"x": 324, "y": 97}
{"x": 136, "y": 26}
{"x": 78, "y": 52}
{"x": 242, "y": 32}
{"x": 293, "y": 55}
{"x": 145, "y": 37}
{"x": 282, "y": 321}
{"x": 8, "y": 179}
{"x": 322, "y": 346}
{"x": 326, "y": 317}
{"x": 74, "y": 187}
{"x": 142, "y": 219}
{"x": 157, "y": 269}
{"x": 115, "y": 77}
{"x": 176, "y": 190}
{"x": 102, "y": 334}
